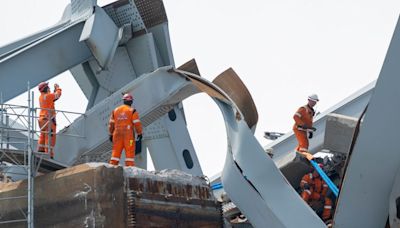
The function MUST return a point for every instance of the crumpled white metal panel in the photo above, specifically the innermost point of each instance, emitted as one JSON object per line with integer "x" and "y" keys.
{"x": 364, "y": 196}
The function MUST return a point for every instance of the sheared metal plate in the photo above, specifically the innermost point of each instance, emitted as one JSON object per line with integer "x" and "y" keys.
{"x": 263, "y": 195}
{"x": 190, "y": 66}
{"x": 152, "y": 12}
{"x": 233, "y": 86}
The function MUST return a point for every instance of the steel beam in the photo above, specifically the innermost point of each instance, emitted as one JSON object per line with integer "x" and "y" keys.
{"x": 374, "y": 161}
{"x": 42, "y": 60}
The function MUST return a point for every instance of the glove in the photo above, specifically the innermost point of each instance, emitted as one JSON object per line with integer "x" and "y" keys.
{"x": 306, "y": 186}
{"x": 110, "y": 137}
{"x": 138, "y": 148}
{"x": 310, "y": 135}
{"x": 301, "y": 127}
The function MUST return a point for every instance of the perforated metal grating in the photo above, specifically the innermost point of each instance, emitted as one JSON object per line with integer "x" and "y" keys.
{"x": 152, "y": 12}
{"x": 125, "y": 12}
{"x": 156, "y": 114}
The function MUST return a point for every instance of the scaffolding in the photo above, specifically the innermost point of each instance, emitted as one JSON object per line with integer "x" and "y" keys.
{"x": 19, "y": 156}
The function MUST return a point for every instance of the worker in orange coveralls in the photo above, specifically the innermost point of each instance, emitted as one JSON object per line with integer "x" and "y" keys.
{"x": 313, "y": 188}
{"x": 124, "y": 119}
{"x": 303, "y": 126}
{"x": 47, "y": 117}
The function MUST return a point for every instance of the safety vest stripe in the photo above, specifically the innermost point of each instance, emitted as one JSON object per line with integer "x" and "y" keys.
{"x": 136, "y": 121}
{"x": 308, "y": 191}
{"x": 301, "y": 129}
{"x": 114, "y": 158}
{"x": 328, "y": 207}
{"x": 129, "y": 159}
{"x": 298, "y": 114}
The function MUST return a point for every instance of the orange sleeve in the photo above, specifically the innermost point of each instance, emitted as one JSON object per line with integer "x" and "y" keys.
{"x": 299, "y": 115}
{"x": 57, "y": 93}
{"x": 111, "y": 124}
{"x": 324, "y": 188}
{"x": 137, "y": 123}
{"x": 305, "y": 180}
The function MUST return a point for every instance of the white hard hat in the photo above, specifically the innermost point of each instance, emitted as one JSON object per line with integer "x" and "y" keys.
{"x": 313, "y": 97}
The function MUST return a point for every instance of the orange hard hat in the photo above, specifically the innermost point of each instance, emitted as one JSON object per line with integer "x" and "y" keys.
{"x": 42, "y": 86}
{"x": 127, "y": 97}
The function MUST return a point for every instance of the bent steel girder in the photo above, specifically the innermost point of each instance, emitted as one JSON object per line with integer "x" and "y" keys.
{"x": 251, "y": 179}
{"x": 375, "y": 160}
{"x": 42, "y": 60}
{"x": 268, "y": 191}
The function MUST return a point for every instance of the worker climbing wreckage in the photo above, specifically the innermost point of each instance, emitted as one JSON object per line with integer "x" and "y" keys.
{"x": 124, "y": 121}
{"x": 47, "y": 118}
{"x": 314, "y": 191}
{"x": 303, "y": 126}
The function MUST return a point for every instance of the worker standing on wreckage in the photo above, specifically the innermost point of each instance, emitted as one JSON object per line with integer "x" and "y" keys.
{"x": 47, "y": 118}
{"x": 303, "y": 126}
{"x": 123, "y": 121}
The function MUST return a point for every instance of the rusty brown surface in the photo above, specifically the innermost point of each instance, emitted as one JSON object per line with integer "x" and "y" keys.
{"x": 190, "y": 66}
{"x": 212, "y": 92}
{"x": 160, "y": 204}
{"x": 152, "y": 12}
{"x": 233, "y": 86}
{"x": 84, "y": 196}
{"x": 75, "y": 197}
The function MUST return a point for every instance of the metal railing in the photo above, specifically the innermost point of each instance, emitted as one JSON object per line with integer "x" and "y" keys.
{"x": 19, "y": 134}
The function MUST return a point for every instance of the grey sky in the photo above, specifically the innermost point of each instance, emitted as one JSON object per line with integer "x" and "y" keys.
{"x": 283, "y": 50}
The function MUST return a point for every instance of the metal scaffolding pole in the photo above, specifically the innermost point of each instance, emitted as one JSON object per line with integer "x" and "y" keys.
{"x": 21, "y": 153}
{"x": 30, "y": 162}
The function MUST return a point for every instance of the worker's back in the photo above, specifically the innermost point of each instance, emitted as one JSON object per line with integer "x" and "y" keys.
{"x": 46, "y": 101}
{"x": 123, "y": 117}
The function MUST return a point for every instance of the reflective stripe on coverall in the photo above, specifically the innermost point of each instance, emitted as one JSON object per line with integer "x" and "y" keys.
{"x": 317, "y": 191}
{"x": 303, "y": 117}
{"x": 47, "y": 121}
{"x": 122, "y": 121}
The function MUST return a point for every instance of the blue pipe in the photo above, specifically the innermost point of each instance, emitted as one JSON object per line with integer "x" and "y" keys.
{"x": 216, "y": 186}
{"x": 327, "y": 180}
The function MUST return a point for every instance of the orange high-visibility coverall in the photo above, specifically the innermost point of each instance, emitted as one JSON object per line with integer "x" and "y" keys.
{"x": 303, "y": 117}
{"x": 122, "y": 121}
{"x": 317, "y": 190}
{"x": 47, "y": 121}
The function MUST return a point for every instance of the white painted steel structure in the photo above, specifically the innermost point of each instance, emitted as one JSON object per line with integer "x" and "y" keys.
{"x": 125, "y": 47}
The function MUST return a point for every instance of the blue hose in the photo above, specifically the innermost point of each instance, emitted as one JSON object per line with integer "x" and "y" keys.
{"x": 216, "y": 186}
{"x": 327, "y": 180}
